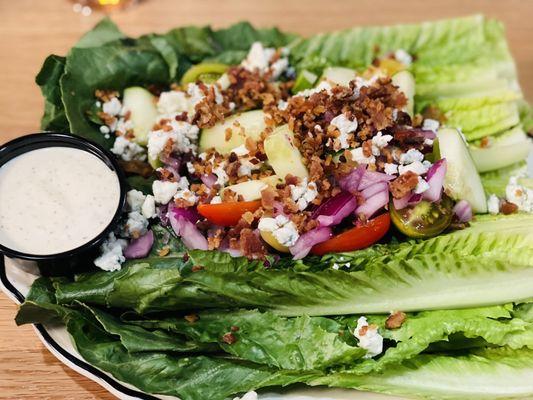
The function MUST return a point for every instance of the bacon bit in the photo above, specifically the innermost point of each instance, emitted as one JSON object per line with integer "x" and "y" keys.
{"x": 250, "y": 145}
{"x": 185, "y": 257}
{"x": 250, "y": 244}
{"x": 367, "y": 148}
{"x": 229, "y": 338}
{"x": 248, "y": 217}
{"x": 105, "y": 95}
{"x": 227, "y": 134}
{"x": 363, "y": 330}
{"x": 402, "y": 185}
{"x": 508, "y": 208}
{"x": 191, "y": 318}
{"x": 395, "y": 320}
{"x": 234, "y": 328}
{"x": 196, "y": 268}
{"x": 485, "y": 142}
{"x": 136, "y": 167}
{"x": 433, "y": 112}
{"x": 268, "y": 197}
{"x": 164, "y": 251}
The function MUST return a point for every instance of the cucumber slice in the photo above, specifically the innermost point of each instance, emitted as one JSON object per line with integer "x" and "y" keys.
{"x": 205, "y": 72}
{"x": 339, "y": 75}
{"x": 406, "y": 83}
{"x": 283, "y": 155}
{"x": 251, "y": 190}
{"x": 507, "y": 149}
{"x": 253, "y": 123}
{"x": 462, "y": 180}
{"x": 141, "y": 103}
{"x": 305, "y": 80}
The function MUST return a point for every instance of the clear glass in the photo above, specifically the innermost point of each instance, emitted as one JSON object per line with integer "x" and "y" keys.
{"x": 87, "y": 6}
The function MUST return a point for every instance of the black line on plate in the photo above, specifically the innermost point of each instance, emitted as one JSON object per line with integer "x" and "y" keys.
{"x": 74, "y": 360}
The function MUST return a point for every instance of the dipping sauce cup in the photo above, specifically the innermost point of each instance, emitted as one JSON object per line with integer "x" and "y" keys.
{"x": 60, "y": 197}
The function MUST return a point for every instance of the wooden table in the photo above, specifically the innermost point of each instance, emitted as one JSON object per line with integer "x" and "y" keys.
{"x": 32, "y": 29}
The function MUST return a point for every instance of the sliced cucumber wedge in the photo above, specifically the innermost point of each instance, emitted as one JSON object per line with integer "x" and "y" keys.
{"x": 462, "y": 180}
{"x": 339, "y": 75}
{"x": 253, "y": 123}
{"x": 506, "y": 149}
{"x": 141, "y": 103}
{"x": 406, "y": 83}
{"x": 283, "y": 155}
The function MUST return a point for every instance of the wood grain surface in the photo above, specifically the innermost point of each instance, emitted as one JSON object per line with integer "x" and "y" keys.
{"x": 32, "y": 29}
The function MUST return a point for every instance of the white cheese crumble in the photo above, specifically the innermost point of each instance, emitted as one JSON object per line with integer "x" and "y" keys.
{"x": 128, "y": 150}
{"x": 136, "y": 225}
{"x": 493, "y": 204}
{"x": 184, "y": 192}
{"x": 111, "y": 257}
{"x": 303, "y": 193}
{"x": 258, "y": 58}
{"x": 240, "y": 151}
{"x": 282, "y": 105}
{"x": 222, "y": 176}
{"x": 112, "y": 107}
{"x": 411, "y": 156}
{"x": 404, "y": 57}
{"x": 360, "y": 158}
{"x": 519, "y": 195}
{"x": 421, "y": 186}
{"x": 248, "y": 396}
{"x": 320, "y": 87}
{"x": 419, "y": 168}
{"x": 172, "y": 102}
{"x": 183, "y": 135}
{"x": 148, "y": 207}
{"x": 164, "y": 191}
{"x": 431, "y": 125}
{"x": 135, "y": 199}
{"x": 379, "y": 141}
{"x": 224, "y": 82}
{"x": 369, "y": 338}
{"x": 283, "y": 229}
{"x": 345, "y": 127}
{"x": 391, "y": 168}
{"x": 216, "y": 200}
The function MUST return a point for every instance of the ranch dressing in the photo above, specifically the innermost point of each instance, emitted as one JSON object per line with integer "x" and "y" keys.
{"x": 55, "y": 199}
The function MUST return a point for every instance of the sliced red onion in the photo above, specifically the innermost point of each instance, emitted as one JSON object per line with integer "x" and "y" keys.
{"x": 351, "y": 182}
{"x": 371, "y": 177}
{"x": 335, "y": 209}
{"x": 401, "y": 203}
{"x": 182, "y": 221}
{"x": 140, "y": 247}
{"x": 209, "y": 180}
{"x": 171, "y": 162}
{"x": 191, "y": 237}
{"x": 415, "y": 198}
{"x": 375, "y": 188}
{"x": 435, "y": 179}
{"x": 463, "y": 210}
{"x": 308, "y": 240}
{"x": 189, "y": 213}
{"x": 373, "y": 204}
{"x": 428, "y": 134}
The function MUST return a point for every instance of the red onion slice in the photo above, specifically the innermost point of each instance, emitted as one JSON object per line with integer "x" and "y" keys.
{"x": 308, "y": 240}
{"x": 375, "y": 188}
{"x": 371, "y": 177}
{"x": 463, "y": 210}
{"x": 335, "y": 209}
{"x": 182, "y": 221}
{"x": 373, "y": 204}
{"x": 435, "y": 179}
{"x": 209, "y": 180}
{"x": 350, "y": 182}
{"x": 140, "y": 247}
{"x": 401, "y": 203}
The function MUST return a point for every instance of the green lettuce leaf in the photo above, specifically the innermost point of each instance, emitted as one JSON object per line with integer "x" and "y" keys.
{"x": 486, "y": 264}
{"x": 484, "y": 374}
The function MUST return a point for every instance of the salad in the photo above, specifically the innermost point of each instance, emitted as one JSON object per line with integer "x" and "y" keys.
{"x": 349, "y": 210}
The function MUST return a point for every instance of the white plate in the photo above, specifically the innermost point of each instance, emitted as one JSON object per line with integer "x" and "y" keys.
{"x": 16, "y": 277}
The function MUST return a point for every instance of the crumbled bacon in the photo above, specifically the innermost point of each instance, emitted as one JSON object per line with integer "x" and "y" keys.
{"x": 402, "y": 185}
{"x": 395, "y": 320}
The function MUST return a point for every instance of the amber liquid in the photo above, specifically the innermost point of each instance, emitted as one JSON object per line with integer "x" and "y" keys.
{"x": 105, "y": 5}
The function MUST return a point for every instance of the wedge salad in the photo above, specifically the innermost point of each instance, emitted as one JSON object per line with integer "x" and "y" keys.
{"x": 350, "y": 210}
